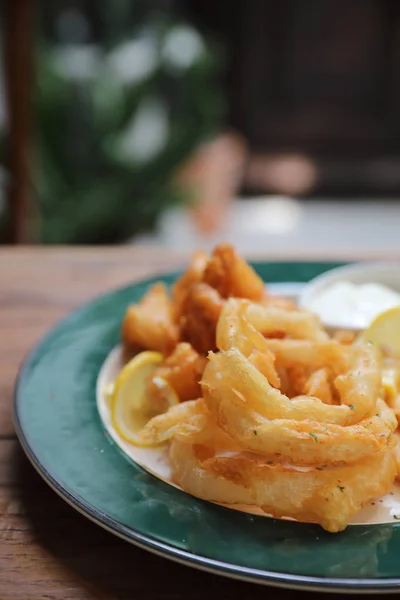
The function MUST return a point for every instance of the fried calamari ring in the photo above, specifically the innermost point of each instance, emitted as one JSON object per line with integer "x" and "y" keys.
{"x": 307, "y": 353}
{"x": 302, "y": 430}
{"x": 318, "y": 385}
{"x": 231, "y": 373}
{"x": 329, "y": 497}
{"x": 304, "y": 442}
{"x": 234, "y": 331}
{"x": 362, "y": 384}
{"x": 297, "y": 324}
{"x": 358, "y": 388}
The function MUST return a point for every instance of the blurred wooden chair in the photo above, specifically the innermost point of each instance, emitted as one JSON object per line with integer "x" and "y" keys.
{"x": 19, "y": 23}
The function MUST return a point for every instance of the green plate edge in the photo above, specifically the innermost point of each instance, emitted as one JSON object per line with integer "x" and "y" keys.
{"x": 57, "y": 423}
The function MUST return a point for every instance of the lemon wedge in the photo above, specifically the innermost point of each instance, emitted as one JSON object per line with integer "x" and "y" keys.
{"x": 384, "y": 332}
{"x": 391, "y": 384}
{"x": 131, "y": 405}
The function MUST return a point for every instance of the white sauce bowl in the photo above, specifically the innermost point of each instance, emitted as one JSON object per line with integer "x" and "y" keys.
{"x": 385, "y": 273}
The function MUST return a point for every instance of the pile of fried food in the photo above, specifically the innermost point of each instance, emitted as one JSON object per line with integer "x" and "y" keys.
{"x": 273, "y": 412}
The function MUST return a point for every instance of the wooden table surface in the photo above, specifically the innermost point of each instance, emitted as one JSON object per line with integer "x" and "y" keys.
{"x": 47, "y": 549}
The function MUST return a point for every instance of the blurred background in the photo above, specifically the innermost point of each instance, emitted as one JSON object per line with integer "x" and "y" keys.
{"x": 275, "y": 125}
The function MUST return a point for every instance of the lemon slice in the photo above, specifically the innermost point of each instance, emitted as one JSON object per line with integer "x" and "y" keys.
{"x": 384, "y": 331}
{"x": 108, "y": 391}
{"x": 131, "y": 405}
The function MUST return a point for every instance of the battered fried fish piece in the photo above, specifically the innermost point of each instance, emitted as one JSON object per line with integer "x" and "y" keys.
{"x": 192, "y": 276}
{"x": 200, "y": 313}
{"x": 182, "y": 370}
{"x": 231, "y": 275}
{"x": 149, "y": 324}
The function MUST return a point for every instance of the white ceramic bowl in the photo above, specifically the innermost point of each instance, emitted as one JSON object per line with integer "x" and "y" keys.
{"x": 386, "y": 273}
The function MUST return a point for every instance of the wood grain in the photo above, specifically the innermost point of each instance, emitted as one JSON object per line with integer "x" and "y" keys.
{"x": 40, "y": 286}
{"x": 47, "y": 549}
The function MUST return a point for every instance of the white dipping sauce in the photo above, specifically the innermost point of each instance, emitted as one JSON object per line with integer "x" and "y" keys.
{"x": 355, "y": 306}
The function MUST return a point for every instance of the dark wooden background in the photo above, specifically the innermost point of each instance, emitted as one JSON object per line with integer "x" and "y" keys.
{"x": 316, "y": 77}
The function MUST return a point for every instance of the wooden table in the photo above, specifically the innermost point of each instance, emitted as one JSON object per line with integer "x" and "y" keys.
{"x": 47, "y": 549}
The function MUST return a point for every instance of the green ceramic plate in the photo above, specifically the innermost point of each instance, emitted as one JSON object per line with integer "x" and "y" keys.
{"x": 60, "y": 430}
